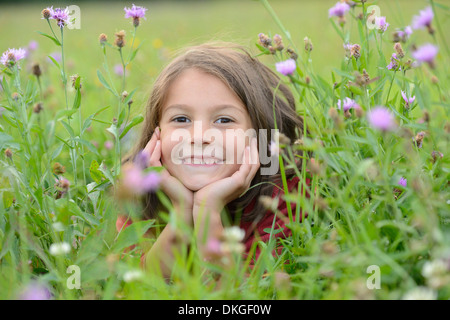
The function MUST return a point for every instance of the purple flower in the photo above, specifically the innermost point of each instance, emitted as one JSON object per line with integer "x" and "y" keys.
{"x": 118, "y": 69}
{"x": 347, "y": 104}
{"x": 408, "y": 101}
{"x": 286, "y": 67}
{"x": 381, "y": 23}
{"x": 136, "y": 13}
{"x": 55, "y": 55}
{"x": 381, "y": 118}
{"x": 141, "y": 159}
{"x": 426, "y": 53}
{"x": 338, "y": 10}
{"x": 393, "y": 65}
{"x": 35, "y": 291}
{"x": 423, "y": 20}
{"x": 402, "y": 182}
{"x": 60, "y": 15}
{"x": 11, "y": 56}
{"x": 138, "y": 182}
{"x": 33, "y": 45}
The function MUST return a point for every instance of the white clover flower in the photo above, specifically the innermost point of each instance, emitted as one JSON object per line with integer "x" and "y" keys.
{"x": 58, "y": 226}
{"x": 132, "y": 275}
{"x": 420, "y": 293}
{"x": 436, "y": 273}
{"x": 233, "y": 234}
{"x": 57, "y": 249}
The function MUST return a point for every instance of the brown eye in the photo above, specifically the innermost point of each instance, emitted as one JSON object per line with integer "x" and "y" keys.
{"x": 180, "y": 119}
{"x": 226, "y": 120}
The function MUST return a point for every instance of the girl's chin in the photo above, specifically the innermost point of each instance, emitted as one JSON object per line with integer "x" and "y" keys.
{"x": 195, "y": 185}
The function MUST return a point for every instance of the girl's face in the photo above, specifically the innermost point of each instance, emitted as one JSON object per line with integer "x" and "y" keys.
{"x": 204, "y": 126}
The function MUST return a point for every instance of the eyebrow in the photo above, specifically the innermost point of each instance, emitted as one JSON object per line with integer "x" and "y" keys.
{"x": 218, "y": 107}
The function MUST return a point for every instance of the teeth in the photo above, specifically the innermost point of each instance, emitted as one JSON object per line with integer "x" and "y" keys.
{"x": 209, "y": 161}
{"x": 201, "y": 161}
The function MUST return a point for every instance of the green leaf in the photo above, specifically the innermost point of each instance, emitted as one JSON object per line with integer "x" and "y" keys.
{"x": 88, "y": 144}
{"x": 134, "y": 122}
{"x": 77, "y": 100}
{"x": 96, "y": 174}
{"x": 64, "y": 114}
{"x": 131, "y": 235}
{"x": 105, "y": 83}
{"x": 55, "y": 62}
{"x": 106, "y": 172}
{"x": 56, "y": 41}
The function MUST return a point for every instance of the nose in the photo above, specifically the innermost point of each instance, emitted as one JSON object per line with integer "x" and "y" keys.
{"x": 198, "y": 136}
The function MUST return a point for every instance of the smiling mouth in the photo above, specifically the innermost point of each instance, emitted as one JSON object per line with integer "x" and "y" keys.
{"x": 192, "y": 161}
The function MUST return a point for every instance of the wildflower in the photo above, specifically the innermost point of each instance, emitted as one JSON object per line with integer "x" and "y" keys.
{"x": 398, "y": 48}
{"x": 62, "y": 186}
{"x": 436, "y": 273}
{"x": 136, "y": 13}
{"x": 402, "y": 35}
{"x": 11, "y": 56}
{"x": 423, "y": 20}
{"x": 339, "y": 10}
{"x": 347, "y": 104}
{"x": 278, "y": 42}
{"x": 74, "y": 79}
{"x": 435, "y": 155}
{"x": 420, "y": 293}
{"x": 393, "y": 65}
{"x": 233, "y": 237}
{"x": 60, "y": 15}
{"x": 308, "y": 44}
{"x": 408, "y": 101}
{"x": 58, "y": 168}
{"x": 136, "y": 181}
{"x": 35, "y": 291}
{"x": 37, "y": 107}
{"x": 426, "y": 53}
{"x": 268, "y": 202}
{"x": 264, "y": 40}
{"x": 292, "y": 54}
{"x": 352, "y": 50}
{"x": 61, "y": 248}
{"x": 381, "y": 24}
{"x": 108, "y": 145}
{"x": 132, "y": 275}
{"x": 381, "y": 118}
{"x": 402, "y": 182}
{"x": 103, "y": 38}
{"x": 33, "y": 45}
{"x": 286, "y": 67}
{"x": 37, "y": 70}
{"x": 47, "y": 13}
{"x": 118, "y": 70}
{"x": 418, "y": 139}
{"x": 56, "y": 56}
{"x": 8, "y": 153}
{"x": 120, "y": 39}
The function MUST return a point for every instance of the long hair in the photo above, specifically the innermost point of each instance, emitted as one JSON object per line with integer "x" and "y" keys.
{"x": 261, "y": 91}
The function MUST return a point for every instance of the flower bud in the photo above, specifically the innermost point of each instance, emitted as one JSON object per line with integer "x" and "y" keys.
{"x": 120, "y": 39}
{"x": 58, "y": 168}
{"x": 46, "y": 14}
{"x": 37, "y": 107}
{"x": 308, "y": 44}
{"x": 37, "y": 70}
{"x": 103, "y": 38}
{"x": 398, "y": 48}
{"x": 8, "y": 153}
{"x": 278, "y": 42}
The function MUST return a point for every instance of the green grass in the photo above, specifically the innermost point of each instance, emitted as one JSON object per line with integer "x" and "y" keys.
{"x": 362, "y": 217}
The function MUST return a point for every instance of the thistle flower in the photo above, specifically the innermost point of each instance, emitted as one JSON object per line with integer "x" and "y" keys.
{"x": 393, "y": 65}
{"x": 381, "y": 118}
{"x": 136, "y": 13}
{"x": 347, "y": 104}
{"x": 103, "y": 38}
{"x": 381, "y": 24}
{"x": 57, "y": 249}
{"x": 408, "y": 101}
{"x": 35, "y": 291}
{"x": 60, "y": 15}
{"x": 423, "y": 20}
{"x": 33, "y": 45}
{"x": 11, "y": 56}
{"x": 402, "y": 182}
{"x": 134, "y": 180}
{"x": 426, "y": 53}
{"x": 338, "y": 10}
{"x": 352, "y": 50}
{"x": 435, "y": 154}
{"x": 120, "y": 39}
{"x": 286, "y": 67}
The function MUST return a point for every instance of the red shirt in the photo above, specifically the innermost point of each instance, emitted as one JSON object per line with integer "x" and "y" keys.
{"x": 260, "y": 232}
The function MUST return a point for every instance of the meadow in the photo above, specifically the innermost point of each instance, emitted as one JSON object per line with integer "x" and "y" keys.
{"x": 378, "y": 224}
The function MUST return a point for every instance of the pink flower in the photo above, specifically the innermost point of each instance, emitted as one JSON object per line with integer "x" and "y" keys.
{"x": 381, "y": 23}
{"x": 408, "y": 101}
{"x": 381, "y": 118}
{"x": 35, "y": 291}
{"x": 286, "y": 67}
{"x": 424, "y": 19}
{"x": 11, "y": 56}
{"x": 347, "y": 104}
{"x": 338, "y": 10}
{"x": 138, "y": 182}
{"x": 136, "y": 13}
{"x": 402, "y": 182}
{"x": 108, "y": 145}
{"x": 426, "y": 53}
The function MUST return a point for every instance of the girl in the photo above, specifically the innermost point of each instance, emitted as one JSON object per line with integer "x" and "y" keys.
{"x": 201, "y": 96}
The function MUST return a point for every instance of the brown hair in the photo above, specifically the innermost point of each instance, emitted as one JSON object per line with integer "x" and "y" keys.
{"x": 258, "y": 87}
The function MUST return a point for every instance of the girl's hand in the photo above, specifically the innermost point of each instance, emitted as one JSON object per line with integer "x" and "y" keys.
{"x": 181, "y": 197}
{"x": 216, "y": 195}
